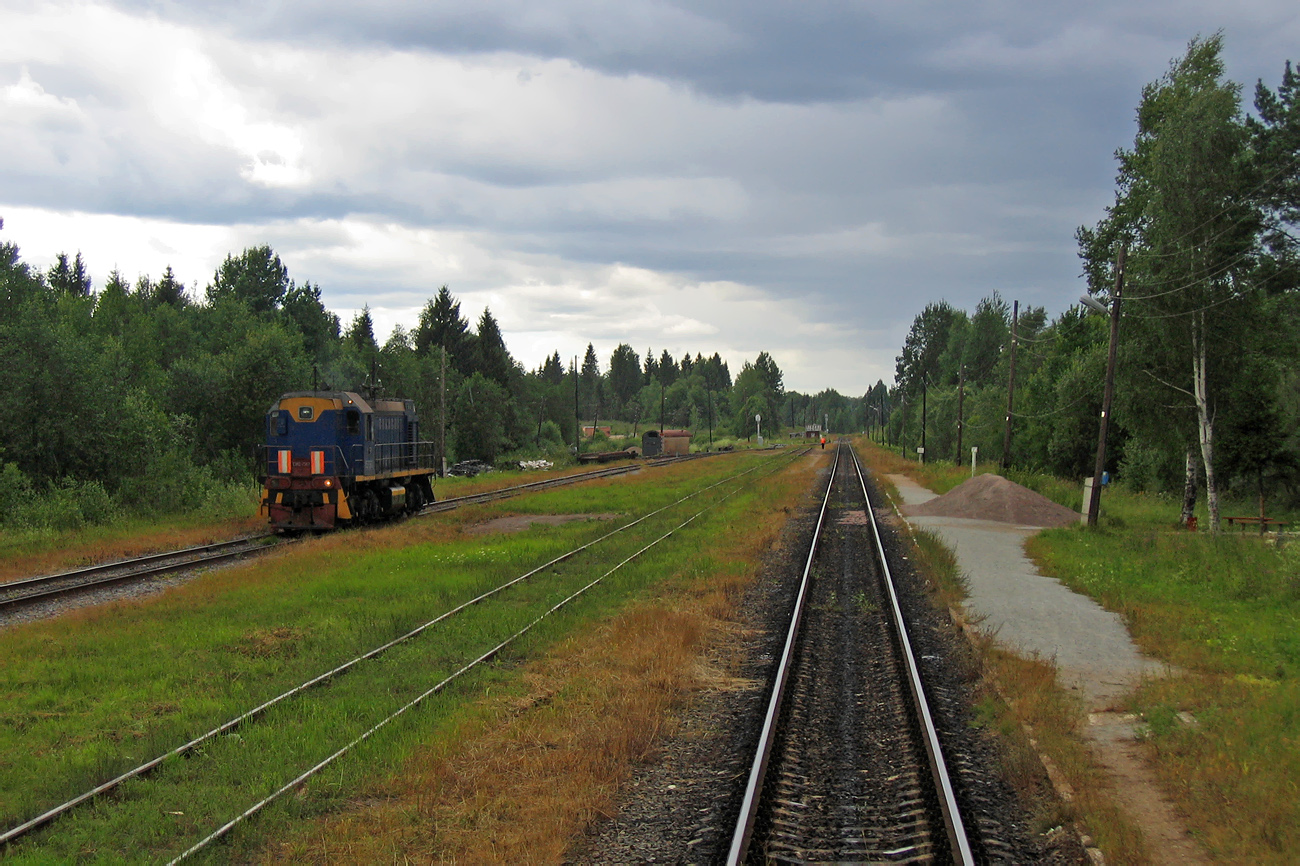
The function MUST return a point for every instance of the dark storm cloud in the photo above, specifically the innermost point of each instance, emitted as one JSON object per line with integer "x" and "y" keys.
{"x": 799, "y": 52}
{"x": 862, "y": 159}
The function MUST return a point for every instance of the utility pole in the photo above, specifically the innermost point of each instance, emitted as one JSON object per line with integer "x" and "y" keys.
{"x": 1094, "y": 499}
{"x": 661, "y": 409}
{"x": 925, "y": 381}
{"x": 1011, "y": 386}
{"x": 442, "y": 413}
{"x": 710, "y": 419}
{"x": 577, "y": 411}
{"x": 902, "y": 424}
{"x": 961, "y": 395}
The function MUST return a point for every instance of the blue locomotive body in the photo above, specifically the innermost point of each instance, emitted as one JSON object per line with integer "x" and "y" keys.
{"x": 333, "y": 457}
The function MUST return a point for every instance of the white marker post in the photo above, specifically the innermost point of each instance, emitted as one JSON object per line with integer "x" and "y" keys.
{"x": 974, "y": 450}
{"x": 758, "y": 419}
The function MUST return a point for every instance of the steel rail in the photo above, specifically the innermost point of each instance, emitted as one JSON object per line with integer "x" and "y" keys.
{"x": 485, "y": 657}
{"x": 199, "y": 557}
{"x": 958, "y": 842}
{"x": 505, "y": 492}
{"x": 591, "y": 475}
{"x": 960, "y": 845}
{"x": 138, "y": 574}
{"x": 49, "y": 815}
{"x": 128, "y": 563}
{"x": 749, "y": 804}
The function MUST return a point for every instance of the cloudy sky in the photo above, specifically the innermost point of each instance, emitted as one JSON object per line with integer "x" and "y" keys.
{"x": 795, "y": 177}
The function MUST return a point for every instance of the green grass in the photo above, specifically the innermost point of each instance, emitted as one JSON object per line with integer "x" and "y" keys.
{"x": 1224, "y": 609}
{"x": 92, "y": 694}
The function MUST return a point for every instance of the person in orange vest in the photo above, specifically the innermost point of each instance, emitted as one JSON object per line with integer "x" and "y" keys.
{"x": 823, "y": 443}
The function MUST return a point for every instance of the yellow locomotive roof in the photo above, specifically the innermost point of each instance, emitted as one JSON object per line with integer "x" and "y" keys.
{"x": 320, "y": 401}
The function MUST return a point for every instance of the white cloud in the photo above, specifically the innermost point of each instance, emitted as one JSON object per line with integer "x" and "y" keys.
{"x": 543, "y": 303}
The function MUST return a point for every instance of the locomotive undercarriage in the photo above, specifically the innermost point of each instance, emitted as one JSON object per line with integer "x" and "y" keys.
{"x": 318, "y": 504}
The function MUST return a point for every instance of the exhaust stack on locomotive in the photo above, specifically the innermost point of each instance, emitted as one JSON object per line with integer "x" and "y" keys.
{"x": 334, "y": 458}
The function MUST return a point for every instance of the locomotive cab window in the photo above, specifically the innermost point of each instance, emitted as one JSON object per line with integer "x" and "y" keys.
{"x": 354, "y": 421}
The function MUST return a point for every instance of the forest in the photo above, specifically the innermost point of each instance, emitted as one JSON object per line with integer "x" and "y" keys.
{"x": 1207, "y": 389}
{"x": 145, "y": 397}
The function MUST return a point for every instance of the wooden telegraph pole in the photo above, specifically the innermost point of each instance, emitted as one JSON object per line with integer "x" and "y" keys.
{"x": 961, "y": 394}
{"x": 442, "y": 415}
{"x": 902, "y": 426}
{"x": 1011, "y": 386}
{"x": 1094, "y": 498}
{"x": 925, "y": 382}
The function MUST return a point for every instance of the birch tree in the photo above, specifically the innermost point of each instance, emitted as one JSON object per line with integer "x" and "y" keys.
{"x": 1184, "y": 208}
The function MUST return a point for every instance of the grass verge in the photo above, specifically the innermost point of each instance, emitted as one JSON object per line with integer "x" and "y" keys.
{"x": 1223, "y": 609}
{"x": 94, "y": 692}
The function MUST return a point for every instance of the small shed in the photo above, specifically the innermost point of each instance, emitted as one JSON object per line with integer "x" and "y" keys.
{"x": 671, "y": 442}
{"x": 812, "y": 431}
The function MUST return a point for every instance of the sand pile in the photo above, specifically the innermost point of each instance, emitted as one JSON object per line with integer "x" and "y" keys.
{"x": 992, "y": 497}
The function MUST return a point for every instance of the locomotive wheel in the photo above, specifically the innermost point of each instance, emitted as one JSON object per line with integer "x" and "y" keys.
{"x": 414, "y": 499}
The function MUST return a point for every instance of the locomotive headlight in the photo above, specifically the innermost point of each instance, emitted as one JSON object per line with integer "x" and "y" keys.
{"x": 329, "y": 482}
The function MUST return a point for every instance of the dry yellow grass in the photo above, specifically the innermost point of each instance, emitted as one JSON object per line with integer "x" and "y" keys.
{"x": 76, "y": 551}
{"x": 1030, "y": 703}
{"x": 521, "y": 775}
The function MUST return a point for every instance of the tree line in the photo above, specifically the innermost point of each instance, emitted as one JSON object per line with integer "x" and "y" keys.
{"x": 1207, "y": 389}
{"x": 141, "y": 396}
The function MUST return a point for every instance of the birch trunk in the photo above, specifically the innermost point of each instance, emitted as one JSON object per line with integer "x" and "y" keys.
{"x": 1204, "y": 417}
{"x": 1189, "y": 486}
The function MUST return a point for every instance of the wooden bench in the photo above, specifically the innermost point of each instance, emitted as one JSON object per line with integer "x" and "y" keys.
{"x": 1264, "y": 523}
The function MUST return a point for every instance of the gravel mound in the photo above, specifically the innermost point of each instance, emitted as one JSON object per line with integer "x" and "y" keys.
{"x": 992, "y": 497}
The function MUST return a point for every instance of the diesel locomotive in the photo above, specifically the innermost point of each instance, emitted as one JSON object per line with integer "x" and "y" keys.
{"x": 334, "y": 458}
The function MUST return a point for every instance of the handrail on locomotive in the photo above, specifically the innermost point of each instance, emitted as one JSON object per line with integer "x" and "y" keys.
{"x": 384, "y": 458}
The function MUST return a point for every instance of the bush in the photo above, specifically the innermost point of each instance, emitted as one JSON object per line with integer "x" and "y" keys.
{"x": 230, "y": 499}
{"x": 66, "y": 505}
{"x": 551, "y": 436}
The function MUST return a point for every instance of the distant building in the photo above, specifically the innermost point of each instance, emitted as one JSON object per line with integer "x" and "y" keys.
{"x": 812, "y": 431}
{"x": 672, "y": 442}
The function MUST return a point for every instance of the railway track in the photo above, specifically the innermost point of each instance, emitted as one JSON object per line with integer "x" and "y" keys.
{"x": 848, "y": 767}
{"x": 506, "y": 492}
{"x": 514, "y": 490}
{"x": 31, "y": 590}
{"x": 735, "y": 481}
